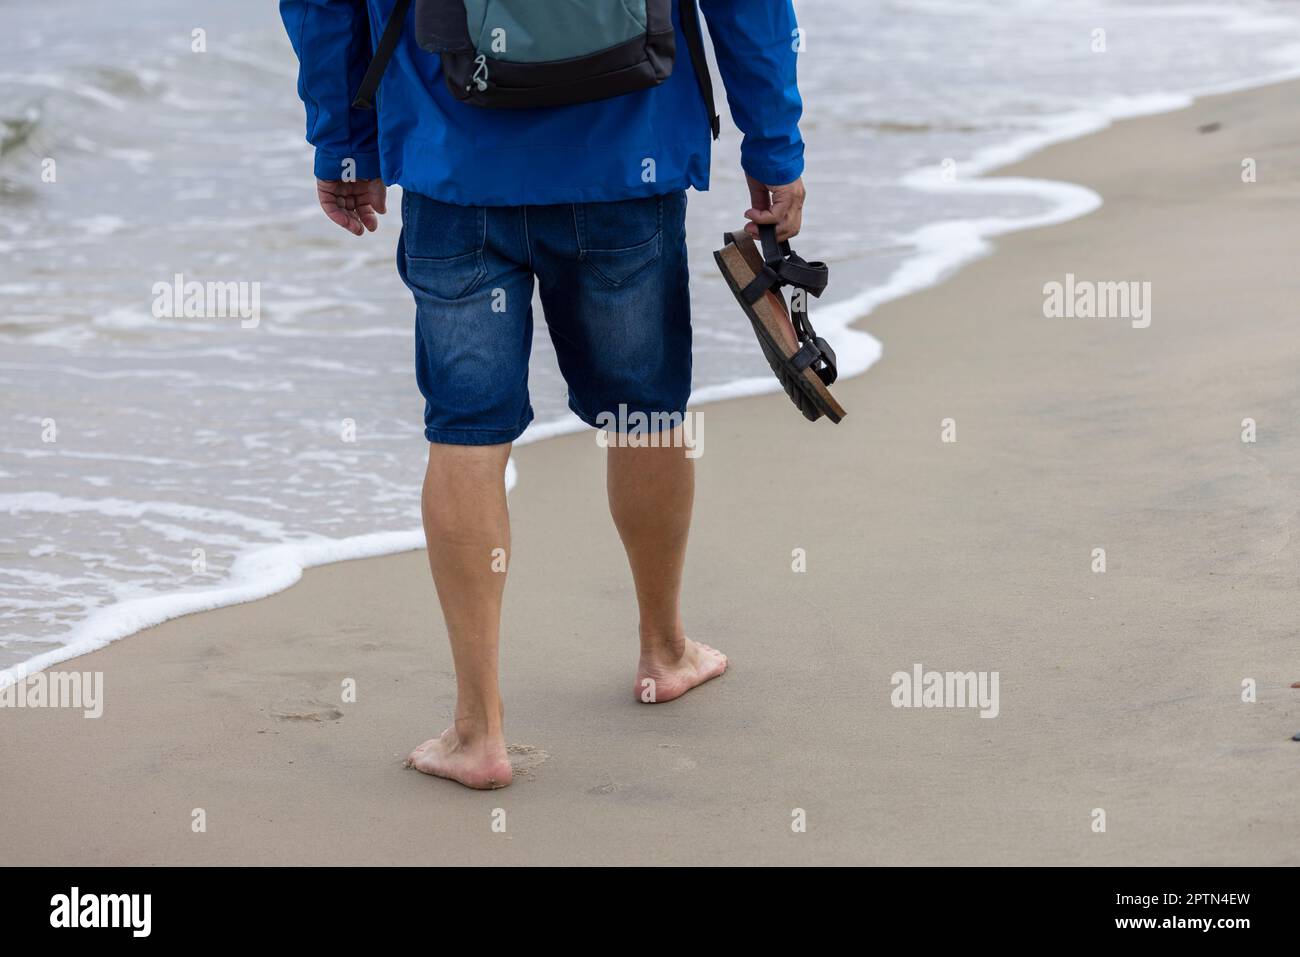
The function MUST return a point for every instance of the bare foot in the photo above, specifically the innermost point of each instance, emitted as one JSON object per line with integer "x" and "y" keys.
{"x": 660, "y": 678}
{"x": 482, "y": 764}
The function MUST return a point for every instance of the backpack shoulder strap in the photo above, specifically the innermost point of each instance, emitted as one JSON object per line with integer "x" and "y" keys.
{"x": 383, "y": 53}
{"x": 690, "y": 16}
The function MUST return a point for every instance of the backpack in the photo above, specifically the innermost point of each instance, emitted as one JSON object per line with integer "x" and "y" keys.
{"x": 521, "y": 54}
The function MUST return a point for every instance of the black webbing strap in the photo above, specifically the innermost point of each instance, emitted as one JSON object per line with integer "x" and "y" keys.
{"x": 690, "y": 15}
{"x": 793, "y": 269}
{"x": 808, "y": 354}
{"x": 365, "y": 98}
{"x": 782, "y": 267}
{"x": 765, "y": 280}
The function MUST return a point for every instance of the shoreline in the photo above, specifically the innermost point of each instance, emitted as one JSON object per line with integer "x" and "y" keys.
{"x": 1120, "y": 692}
{"x": 942, "y": 250}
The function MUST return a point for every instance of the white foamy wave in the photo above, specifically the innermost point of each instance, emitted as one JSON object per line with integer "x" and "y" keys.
{"x": 98, "y": 226}
{"x": 54, "y": 81}
{"x": 255, "y": 574}
{"x": 48, "y": 503}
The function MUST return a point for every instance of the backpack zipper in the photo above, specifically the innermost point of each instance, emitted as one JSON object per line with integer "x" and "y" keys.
{"x": 480, "y": 77}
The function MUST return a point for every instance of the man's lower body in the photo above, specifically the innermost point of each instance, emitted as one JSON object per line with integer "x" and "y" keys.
{"x": 614, "y": 287}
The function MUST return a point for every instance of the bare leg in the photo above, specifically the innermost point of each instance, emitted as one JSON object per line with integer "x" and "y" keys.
{"x": 468, "y": 531}
{"x": 651, "y": 491}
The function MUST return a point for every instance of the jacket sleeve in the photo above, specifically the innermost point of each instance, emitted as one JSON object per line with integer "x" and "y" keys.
{"x": 332, "y": 40}
{"x": 755, "y": 43}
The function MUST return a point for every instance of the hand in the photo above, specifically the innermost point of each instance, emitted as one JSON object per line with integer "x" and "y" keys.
{"x": 355, "y": 206}
{"x": 782, "y": 205}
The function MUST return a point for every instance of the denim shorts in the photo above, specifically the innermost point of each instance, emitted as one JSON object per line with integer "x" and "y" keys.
{"x": 613, "y": 285}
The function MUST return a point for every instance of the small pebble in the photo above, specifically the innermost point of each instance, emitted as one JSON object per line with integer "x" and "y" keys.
{"x": 1296, "y": 736}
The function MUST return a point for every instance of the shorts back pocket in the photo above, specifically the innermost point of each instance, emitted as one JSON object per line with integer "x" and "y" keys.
{"x": 621, "y": 239}
{"x": 443, "y": 246}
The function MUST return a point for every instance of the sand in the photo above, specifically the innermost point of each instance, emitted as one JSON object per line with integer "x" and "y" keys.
{"x": 1119, "y": 691}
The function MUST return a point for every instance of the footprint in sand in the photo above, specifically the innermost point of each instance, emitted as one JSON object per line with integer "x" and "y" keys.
{"x": 678, "y": 762}
{"x": 306, "y": 711}
{"x": 524, "y": 760}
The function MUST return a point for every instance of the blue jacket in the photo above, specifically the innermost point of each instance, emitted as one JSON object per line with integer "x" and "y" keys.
{"x": 425, "y": 140}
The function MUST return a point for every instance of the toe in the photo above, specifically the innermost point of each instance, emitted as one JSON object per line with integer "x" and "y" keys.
{"x": 418, "y": 752}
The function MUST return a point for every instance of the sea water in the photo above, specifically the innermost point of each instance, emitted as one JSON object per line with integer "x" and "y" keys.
{"x": 154, "y": 463}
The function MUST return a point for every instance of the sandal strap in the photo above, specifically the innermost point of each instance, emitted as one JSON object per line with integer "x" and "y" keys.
{"x": 828, "y": 370}
{"x": 782, "y": 267}
{"x": 792, "y": 268}
{"x": 765, "y": 280}
{"x": 807, "y": 355}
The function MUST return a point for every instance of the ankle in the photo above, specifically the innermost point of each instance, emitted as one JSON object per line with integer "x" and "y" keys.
{"x": 480, "y": 725}
{"x": 663, "y": 646}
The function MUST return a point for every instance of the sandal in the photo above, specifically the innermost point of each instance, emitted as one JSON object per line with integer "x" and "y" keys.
{"x": 804, "y": 362}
